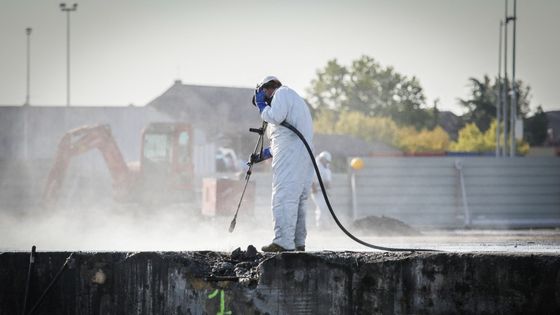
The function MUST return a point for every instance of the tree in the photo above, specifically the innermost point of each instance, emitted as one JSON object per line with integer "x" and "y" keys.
{"x": 325, "y": 120}
{"x": 328, "y": 90}
{"x": 536, "y": 127}
{"x": 471, "y": 139}
{"x": 432, "y": 141}
{"x": 481, "y": 106}
{"x": 371, "y": 89}
{"x": 368, "y": 128}
{"x": 382, "y": 129}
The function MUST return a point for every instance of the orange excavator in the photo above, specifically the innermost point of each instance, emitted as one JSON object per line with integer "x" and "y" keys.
{"x": 164, "y": 174}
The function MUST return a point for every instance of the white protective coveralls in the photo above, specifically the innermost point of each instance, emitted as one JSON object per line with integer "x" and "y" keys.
{"x": 322, "y": 215}
{"x": 292, "y": 169}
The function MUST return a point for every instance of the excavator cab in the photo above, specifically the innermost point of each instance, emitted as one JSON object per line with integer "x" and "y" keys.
{"x": 166, "y": 165}
{"x": 164, "y": 175}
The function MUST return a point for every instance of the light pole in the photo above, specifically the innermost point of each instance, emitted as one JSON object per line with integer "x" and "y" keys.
{"x": 513, "y": 150}
{"x": 512, "y": 93}
{"x": 499, "y": 93}
{"x": 506, "y": 88}
{"x": 26, "y": 104}
{"x": 68, "y": 10}
{"x": 28, "y": 33}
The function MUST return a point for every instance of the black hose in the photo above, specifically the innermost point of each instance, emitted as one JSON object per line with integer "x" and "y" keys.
{"x": 390, "y": 249}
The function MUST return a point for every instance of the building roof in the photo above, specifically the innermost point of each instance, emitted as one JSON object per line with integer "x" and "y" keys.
{"x": 209, "y": 107}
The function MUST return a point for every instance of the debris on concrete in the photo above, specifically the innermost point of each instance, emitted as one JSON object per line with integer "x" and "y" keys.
{"x": 384, "y": 226}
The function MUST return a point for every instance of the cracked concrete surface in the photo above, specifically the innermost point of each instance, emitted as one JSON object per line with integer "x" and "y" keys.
{"x": 247, "y": 282}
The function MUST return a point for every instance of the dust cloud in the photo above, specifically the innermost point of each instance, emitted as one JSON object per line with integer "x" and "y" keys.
{"x": 177, "y": 228}
{"x": 123, "y": 228}
{"x": 120, "y": 227}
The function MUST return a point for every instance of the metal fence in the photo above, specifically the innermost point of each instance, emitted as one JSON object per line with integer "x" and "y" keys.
{"x": 450, "y": 192}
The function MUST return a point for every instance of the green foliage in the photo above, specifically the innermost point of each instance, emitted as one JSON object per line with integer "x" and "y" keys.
{"x": 522, "y": 147}
{"x": 432, "y": 141}
{"x": 368, "y": 88}
{"x": 368, "y": 128}
{"x": 325, "y": 120}
{"x": 481, "y": 106}
{"x": 328, "y": 90}
{"x": 536, "y": 127}
{"x": 382, "y": 129}
{"x": 376, "y": 103}
{"x": 471, "y": 139}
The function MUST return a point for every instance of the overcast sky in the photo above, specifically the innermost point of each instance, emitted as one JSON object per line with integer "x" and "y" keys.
{"x": 130, "y": 51}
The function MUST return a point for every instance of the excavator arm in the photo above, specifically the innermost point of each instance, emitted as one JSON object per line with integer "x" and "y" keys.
{"x": 79, "y": 141}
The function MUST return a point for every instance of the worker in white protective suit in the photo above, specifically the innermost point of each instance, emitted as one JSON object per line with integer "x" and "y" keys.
{"x": 292, "y": 169}
{"x": 322, "y": 216}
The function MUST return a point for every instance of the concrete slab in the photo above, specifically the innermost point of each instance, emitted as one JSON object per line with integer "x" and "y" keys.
{"x": 173, "y": 261}
{"x": 287, "y": 283}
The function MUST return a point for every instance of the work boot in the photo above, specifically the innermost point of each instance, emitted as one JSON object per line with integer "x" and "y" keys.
{"x": 300, "y": 248}
{"x": 274, "y": 248}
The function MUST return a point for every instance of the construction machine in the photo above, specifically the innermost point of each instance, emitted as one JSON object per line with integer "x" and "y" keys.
{"x": 163, "y": 174}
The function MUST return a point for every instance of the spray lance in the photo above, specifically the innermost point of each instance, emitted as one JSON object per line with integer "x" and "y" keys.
{"x": 254, "y": 158}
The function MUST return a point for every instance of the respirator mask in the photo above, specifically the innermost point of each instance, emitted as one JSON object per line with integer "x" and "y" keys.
{"x": 268, "y": 100}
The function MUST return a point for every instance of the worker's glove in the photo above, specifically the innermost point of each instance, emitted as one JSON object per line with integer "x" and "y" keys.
{"x": 260, "y": 99}
{"x": 256, "y": 157}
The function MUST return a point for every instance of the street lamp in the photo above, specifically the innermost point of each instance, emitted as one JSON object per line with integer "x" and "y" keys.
{"x": 26, "y": 104}
{"x": 499, "y": 94}
{"x": 512, "y": 93}
{"x": 68, "y": 10}
{"x": 513, "y": 115}
{"x": 28, "y": 33}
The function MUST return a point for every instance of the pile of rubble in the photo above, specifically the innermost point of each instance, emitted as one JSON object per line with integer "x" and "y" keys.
{"x": 384, "y": 226}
